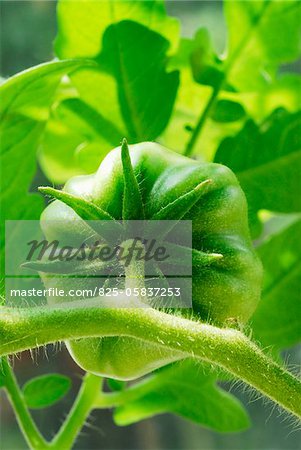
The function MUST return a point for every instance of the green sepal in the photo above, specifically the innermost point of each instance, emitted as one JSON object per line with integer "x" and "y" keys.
{"x": 87, "y": 211}
{"x": 177, "y": 209}
{"x": 68, "y": 267}
{"x": 132, "y": 205}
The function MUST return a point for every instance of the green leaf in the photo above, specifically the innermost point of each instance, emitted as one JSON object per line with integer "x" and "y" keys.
{"x": 191, "y": 100}
{"x": 140, "y": 76}
{"x": 24, "y": 110}
{"x": 116, "y": 385}
{"x": 207, "y": 68}
{"x": 227, "y": 111}
{"x": 28, "y": 92}
{"x": 81, "y": 132}
{"x": 283, "y": 92}
{"x": 60, "y": 146}
{"x": 91, "y": 122}
{"x": 75, "y": 141}
{"x": 277, "y": 320}
{"x": 81, "y": 24}
{"x": 262, "y": 36}
{"x": 128, "y": 85}
{"x": 267, "y": 161}
{"x": 127, "y": 90}
{"x": 172, "y": 390}
{"x": 61, "y": 140}
{"x": 45, "y": 390}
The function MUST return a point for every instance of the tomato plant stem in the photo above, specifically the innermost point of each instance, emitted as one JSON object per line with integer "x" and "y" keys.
{"x": 78, "y": 414}
{"x": 30, "y": 432}
{"x": 21, "y": 329}
{"x": 229, "y": 63}
{"x": 202, "y": 119}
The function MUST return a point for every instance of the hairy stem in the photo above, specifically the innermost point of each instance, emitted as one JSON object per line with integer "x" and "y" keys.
{"x": 21, "y": 329}
{"x": 78, "y": 413}
{"x": 229, "y": 64}
{"x": 30, "y": 432}
{"x": 112, "y": 399}
{"x": 202, "y": 119}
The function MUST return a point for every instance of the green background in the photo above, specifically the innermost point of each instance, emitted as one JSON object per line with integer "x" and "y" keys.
{"x": 27, "y": 31}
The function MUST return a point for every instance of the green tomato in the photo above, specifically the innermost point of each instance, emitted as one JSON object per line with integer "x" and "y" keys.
{"x": 152, "y": 182}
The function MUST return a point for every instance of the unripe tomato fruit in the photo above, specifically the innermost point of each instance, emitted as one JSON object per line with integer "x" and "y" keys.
{"x": 225, "y": 291}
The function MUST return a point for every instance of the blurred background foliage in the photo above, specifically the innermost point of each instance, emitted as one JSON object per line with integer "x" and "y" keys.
{"x": 28, "y": 29}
